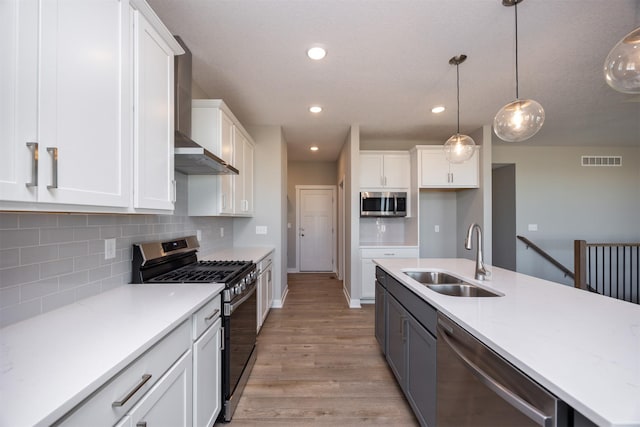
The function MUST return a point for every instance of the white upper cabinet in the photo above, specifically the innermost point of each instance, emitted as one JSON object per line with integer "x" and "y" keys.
{"x": 435, "y": 171}
{"x": 215, "y": 127}
{"x": 154, "y": 184}
{"x": 384, "y": 170}
{"x": 68, "y": 107}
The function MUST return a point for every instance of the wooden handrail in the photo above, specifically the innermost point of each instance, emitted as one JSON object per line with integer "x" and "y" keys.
{"x": 546, "y": 256}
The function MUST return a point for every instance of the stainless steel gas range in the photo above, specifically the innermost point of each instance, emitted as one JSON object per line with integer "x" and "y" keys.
{"x": 175, "y": 261}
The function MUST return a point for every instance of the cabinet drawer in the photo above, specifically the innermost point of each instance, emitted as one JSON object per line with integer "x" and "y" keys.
{"x": 206, "y": 316}
{"x": 390, "y": 252}
{"x": 131, "y": 383}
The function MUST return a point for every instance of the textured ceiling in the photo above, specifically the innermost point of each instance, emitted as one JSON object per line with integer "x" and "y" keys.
{"x": 387, "y": 66}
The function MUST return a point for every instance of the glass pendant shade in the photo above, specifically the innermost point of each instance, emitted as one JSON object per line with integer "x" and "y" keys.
{"x": 518, "y": 120}
{"x": 459, "y": 148}
{"x": 622, "y": 66}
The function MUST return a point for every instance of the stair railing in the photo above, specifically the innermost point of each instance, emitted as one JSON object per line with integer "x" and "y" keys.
{"x": 545, "y": 255}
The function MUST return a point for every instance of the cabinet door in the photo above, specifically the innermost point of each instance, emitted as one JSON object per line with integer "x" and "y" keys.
{"x": 269, "y": 272}
{"x": 371, "y": 171}
{"x": 397, "y": 170}
{"x": 396, "y": 324}
{"x": 154, "y": 131}
{"x": 169, "y": 402}
{"x": 207, "y": 397}
{"x": 261, "y": 296}
{"x": 434, "y": 170}
{"x": 248, "y": 179}
{"x": 84, "y": 106}
{"x": 368, "y": 278}
{"x": 466, "y": 174}
{"x": 239, "y": 145}
{"x": 380, "y": 318}
{"x": 420, "y": 386}
{"x": 18, "y": 99}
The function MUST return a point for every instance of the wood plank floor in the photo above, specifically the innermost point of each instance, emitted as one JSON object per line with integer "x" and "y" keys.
{"x": 319, "y": 364}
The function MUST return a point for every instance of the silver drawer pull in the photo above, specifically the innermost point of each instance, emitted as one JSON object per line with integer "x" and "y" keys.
{"x": 212, "y": 315}
{"x": 143, "y": 381}
{"x": 141, "y": 424}
{"x": 54, "y": 179}
{"x": 33, "y": 147}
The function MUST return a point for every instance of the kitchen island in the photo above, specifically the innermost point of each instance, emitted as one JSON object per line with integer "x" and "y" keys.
{"x": 583, "y": 347}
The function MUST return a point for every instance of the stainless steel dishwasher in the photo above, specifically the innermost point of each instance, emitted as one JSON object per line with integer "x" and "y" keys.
{"x": 477, "y": 387}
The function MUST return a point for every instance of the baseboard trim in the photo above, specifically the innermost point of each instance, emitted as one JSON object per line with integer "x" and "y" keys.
{"x": 353, "y": 302}
{"x": 279, "y": 303}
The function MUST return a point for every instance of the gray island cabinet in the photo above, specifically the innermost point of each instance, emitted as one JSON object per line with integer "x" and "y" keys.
{"x": 406, "y": 330}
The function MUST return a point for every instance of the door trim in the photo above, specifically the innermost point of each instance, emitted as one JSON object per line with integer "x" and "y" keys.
{"x": 299, "y": 188}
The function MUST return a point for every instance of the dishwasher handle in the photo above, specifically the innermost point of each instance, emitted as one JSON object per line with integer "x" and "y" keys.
{"x": 501, "y": 390}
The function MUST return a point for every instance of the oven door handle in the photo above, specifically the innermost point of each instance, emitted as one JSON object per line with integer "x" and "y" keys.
{"x": 501, "y": 390}
{"x": 232, "y": 307}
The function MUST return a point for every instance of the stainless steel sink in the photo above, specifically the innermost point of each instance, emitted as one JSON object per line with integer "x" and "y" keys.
{"x": 432, "y": 277}
{"x": 447, "y": 284}
{"x": 462, "y": 290}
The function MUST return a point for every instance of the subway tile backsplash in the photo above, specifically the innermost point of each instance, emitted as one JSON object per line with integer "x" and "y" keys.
{"x": 51, "y": 260}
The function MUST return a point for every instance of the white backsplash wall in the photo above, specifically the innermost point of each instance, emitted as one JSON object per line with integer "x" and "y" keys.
{"x": 385, "y": 231}
{"x": 51, "y": 260}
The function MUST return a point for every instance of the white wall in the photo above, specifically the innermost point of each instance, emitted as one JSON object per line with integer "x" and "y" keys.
{"x": 349, "y": 167}
{"x": 270, "y": 199}
{"x": 568, "y": 201}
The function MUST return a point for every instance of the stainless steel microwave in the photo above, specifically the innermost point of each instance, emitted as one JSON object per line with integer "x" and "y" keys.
{"x": 387, "y": 204}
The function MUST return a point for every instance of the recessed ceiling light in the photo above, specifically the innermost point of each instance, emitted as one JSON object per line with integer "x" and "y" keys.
{"x": 315, "y": 109}
{"x": 314, "y": 148}
{"x": 316, "y": 53}
{"x": 438, "y": 109}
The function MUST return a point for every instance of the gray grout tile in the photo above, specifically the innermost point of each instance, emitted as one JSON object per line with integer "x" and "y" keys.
{"x": 73, "y": 280}
{"x": 39, "y": 220}
{"x": 72, "y": 220}
{"x": 56, "y": 268}
{"x": 38, "y": 254}
{"x": 56, "y": 235}
{"x": 39, "y": 289}
{"x": 61, "y": 299}
{"x": 18, "y": 238}
{"x": 9, "y": 296}
{"x": 8, "y": 221}
{"x": 19, "y": 275}
{"x": 9, "y": 258}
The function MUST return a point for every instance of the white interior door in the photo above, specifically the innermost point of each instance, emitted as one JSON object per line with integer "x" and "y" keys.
{"x": 315, "y": 230}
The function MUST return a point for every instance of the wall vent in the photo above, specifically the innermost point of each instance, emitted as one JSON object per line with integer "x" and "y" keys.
{"x": 601, "y": 160}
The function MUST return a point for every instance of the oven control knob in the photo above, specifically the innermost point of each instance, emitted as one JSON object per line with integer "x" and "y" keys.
{"x": 237, "y": 290}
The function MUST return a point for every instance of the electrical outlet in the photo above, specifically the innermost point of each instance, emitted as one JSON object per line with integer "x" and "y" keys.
{"x": 221, "y": 231}
{"x": 199, "y": 235}
{"x": 109, "y": 248}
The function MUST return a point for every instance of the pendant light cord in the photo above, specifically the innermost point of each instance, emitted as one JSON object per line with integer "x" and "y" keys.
{"x": 516, "y": 10}
{"x": 458, "y": 89}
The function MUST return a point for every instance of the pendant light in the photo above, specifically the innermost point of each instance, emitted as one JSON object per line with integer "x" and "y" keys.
{"x": 522, "y": 118}
{"x": 622, "y": 66}
{"x": 459, "y": 148}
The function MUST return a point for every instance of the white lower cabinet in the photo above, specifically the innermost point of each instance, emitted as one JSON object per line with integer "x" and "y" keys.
{"x": 176, "y": 383}
{"x": 119, "y": 395}
{"x": 265, "y": 288}
{"x": 207, "y": 369}
{"x": 368, "y": 272}
{"x": 168, "y": 403}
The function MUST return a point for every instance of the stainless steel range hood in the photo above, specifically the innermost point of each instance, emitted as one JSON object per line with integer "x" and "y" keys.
{"x": 190, "y": 157}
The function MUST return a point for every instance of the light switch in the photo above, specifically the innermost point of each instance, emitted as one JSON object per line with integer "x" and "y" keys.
{"x": 221, "y": 231}
{"x": 436, "y": 228}
{"x": 261, "y": 229}
{"x": 199, "y": 235}
{"x": 533, "y": 227}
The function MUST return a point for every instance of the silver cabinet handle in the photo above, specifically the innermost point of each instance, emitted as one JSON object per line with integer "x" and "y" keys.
{"x": 501, "y": 390}
{"x": 141, "y": 424}
{"x": 212, "y": 315}
{"x": 54, "y": 179}
{"x": 33, "y": 147}
{"x": 134, "y": 390}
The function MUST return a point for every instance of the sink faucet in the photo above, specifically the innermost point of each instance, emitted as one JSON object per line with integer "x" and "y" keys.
{"x": 481, "y": 271}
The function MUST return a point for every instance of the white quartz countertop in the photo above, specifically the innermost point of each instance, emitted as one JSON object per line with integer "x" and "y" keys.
{"x": 254, "y": 254}
{"x": 583, "y": 347}
{"x": 50, "y": 363}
